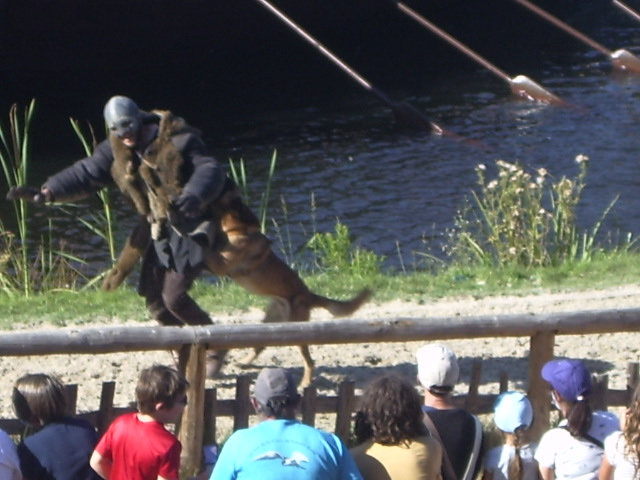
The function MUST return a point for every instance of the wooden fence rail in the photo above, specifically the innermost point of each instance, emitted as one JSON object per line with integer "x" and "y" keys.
{"x": 144, "y": 338}
{"x": 540, "y": 328}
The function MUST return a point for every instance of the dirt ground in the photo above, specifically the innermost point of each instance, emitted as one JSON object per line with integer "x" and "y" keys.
{"x": 604, "y": 353}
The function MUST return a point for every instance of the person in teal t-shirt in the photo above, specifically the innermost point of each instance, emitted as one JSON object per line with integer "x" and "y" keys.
{"x": 280, "y": 447}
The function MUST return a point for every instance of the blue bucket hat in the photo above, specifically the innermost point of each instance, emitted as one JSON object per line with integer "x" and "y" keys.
{"x": 570, "y": 378}
{"x": 512, "y": 410}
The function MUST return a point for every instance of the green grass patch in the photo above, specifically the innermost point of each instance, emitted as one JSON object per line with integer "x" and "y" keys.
{"x": 67, "y": 308}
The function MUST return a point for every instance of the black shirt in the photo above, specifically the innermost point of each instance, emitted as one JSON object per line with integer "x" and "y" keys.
{"x": 457, "y": 430}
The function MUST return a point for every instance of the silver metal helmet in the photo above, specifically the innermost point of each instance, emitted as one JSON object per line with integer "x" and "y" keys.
{"x": 122, "y": 116}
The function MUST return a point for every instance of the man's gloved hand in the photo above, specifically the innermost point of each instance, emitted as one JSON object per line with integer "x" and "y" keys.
{"x": 188, "y": 205}
{"x": 30, "y": 194}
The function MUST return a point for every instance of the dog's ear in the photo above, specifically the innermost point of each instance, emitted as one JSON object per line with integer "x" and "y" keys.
{"x": 228, "y": 196}
{"x": 246, "y": 215}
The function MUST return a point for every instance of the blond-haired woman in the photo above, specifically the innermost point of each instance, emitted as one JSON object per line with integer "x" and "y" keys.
{"x": 621, "y": 458}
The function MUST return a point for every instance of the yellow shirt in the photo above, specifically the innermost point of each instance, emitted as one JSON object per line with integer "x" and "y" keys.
{"x": 421, "y": 459}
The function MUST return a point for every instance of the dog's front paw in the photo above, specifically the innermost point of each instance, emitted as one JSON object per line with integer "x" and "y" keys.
{"x": 113, "y": 279}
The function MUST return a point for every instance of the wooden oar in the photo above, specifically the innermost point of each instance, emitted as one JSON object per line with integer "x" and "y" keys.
{"x": 621, "y": 59}
{"x": 627, "y": 10}
{"x": 403, "y": 112}
{"x": 520, "y": 85}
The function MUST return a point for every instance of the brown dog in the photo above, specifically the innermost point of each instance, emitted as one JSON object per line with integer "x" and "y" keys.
{"x": 244, "y": 254}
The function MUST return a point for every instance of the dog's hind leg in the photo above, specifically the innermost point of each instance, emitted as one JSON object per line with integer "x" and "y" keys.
{"x": 308, "y": 366}
{"x": 250, "y": 358}
{"x": 277, "y": 311}
{"x": 131, "y": 253}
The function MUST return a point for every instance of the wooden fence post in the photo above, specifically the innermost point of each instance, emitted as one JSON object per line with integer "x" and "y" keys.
{"x": 106, "y": 406}
{"x": 191, "y": 426}
{"x": 243, "y": 404}
{"x": 600, "y": 385}
{"x": 346, "y": 402}
{"x": 71, "y": 392}
{"x": 210, "y": 414}
{"x": 633, "y": 376}
{"x": 309, "y": 405}
{"x": 504, "y": 382}
{"x": 474, "y": 383}
{"x": 540, "y": 352}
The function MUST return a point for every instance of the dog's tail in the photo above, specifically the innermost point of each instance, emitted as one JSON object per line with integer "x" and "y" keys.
{"x": 341, "y": 308}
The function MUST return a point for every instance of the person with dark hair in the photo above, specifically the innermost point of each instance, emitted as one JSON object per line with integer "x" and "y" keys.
{"x": 137, "y": 446}
{"x": 574, "y": 449}
{"x": 56, "y": 446}
{"x": 393, "y": 441}
{"x": 279, "y": 447}
{"x": 459, "y": 432}
{"x": 621, "y": 460}
{"x": 162, "y": 166}
{"x": 513, "y": 460}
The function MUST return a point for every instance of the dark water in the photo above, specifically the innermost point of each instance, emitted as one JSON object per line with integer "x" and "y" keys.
{"x": 397, "y": 190}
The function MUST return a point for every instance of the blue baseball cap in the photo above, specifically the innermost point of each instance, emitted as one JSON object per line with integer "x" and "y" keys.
{"x": 570, "y": 378}
{"x": 512, "y": 410}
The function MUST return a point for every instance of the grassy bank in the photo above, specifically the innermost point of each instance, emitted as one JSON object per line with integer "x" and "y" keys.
{"x": 68, "y": 307}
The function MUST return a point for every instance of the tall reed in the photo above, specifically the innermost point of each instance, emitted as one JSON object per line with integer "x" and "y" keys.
{"x": 239, "y": 176}
{"x": 14, "y": 157}
{"x": 28, "y": 264}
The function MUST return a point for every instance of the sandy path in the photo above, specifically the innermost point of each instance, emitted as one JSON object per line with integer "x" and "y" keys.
{"x": 605, "y": 353}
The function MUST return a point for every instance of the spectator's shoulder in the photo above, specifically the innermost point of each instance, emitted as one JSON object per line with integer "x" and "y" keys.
{"x": 603, "y": 423}
{"x": 553, "y": 434}
{"x": 605, "y": 416}
{"x": 612, "y": 439}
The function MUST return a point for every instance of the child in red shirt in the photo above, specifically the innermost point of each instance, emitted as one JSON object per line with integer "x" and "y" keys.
{"x": 137, "y": 446}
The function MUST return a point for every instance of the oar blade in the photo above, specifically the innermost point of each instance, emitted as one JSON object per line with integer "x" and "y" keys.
{"x": 625, "y": 60}
{"x": 523, "y": 86}
{"x": 408, "y": 116}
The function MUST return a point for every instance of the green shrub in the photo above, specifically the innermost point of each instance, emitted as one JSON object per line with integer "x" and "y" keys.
{"x": 335, "y": 252}
{"x": 523, "y": 219}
